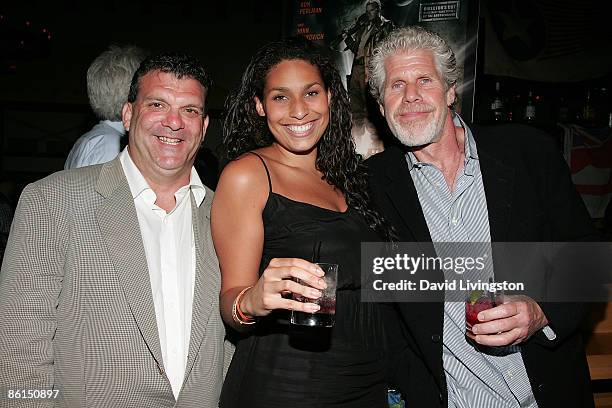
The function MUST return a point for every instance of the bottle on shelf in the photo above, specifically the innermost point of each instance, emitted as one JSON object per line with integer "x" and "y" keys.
{"x": 530, "y": 109}
{"x": 515, "y": 108}
{"x": 498, "y": 111}
{"x": 588, "y": 113}
{"x": 601, "y": 105}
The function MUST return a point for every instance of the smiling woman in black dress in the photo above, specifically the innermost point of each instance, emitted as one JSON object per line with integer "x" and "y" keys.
{"x": 295, "y": 181}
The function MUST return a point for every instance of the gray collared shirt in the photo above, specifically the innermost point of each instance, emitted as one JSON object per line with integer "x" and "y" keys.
{"x": 475, "y": 379}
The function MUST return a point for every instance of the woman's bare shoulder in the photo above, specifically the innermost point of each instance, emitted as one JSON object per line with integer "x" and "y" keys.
{"x": 244, "y": 177}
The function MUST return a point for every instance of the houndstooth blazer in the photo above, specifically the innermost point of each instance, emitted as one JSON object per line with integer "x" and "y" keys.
{"x": 76, "y": 309}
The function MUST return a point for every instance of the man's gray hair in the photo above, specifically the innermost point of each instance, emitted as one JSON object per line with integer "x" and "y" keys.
{"x": 109, "y": 78}
{"x": 408, "y": 39}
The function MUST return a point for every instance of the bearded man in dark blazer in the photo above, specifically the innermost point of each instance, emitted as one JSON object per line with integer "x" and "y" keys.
{"x": 454, "y": 183}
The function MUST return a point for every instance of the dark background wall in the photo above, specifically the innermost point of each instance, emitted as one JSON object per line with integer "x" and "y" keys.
{"x": 46, "y": 47}
{"x": 222, "y": 33}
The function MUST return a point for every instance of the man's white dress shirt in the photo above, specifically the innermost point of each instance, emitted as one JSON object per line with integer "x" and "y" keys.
{"x": 170, "y": 251}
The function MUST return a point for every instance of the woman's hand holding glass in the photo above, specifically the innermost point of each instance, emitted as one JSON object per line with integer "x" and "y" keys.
{"x": 277, "y": 280}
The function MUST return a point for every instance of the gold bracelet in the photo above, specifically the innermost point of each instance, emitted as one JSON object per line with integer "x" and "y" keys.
{"x": 238, "y": 314}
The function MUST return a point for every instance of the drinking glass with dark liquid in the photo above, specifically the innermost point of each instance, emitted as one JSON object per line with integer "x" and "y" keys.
{"x": 479, "y": 300}
{"x": 326, "y": 316}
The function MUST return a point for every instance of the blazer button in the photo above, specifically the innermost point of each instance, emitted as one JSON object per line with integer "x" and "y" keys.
{"x": 161, "y": 369}
{"x": 435, "y": 338}
{"x": 541, "y": 387}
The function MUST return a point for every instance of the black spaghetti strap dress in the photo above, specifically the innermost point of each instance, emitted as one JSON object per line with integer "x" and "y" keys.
{"x": 282, "y": 365}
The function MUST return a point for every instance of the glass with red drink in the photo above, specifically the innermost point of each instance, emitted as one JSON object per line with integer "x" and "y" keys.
{"x": 326, "y": 316}
{"x": 479, "y": 300}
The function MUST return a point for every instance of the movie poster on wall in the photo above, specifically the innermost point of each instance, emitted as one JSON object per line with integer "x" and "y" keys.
{"x": 350, "y": 29}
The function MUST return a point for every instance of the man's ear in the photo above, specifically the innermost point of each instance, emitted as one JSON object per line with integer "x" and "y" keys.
{"x": 126, "y": 115}
{"x": 205, "y": 125}
{"x": 259, "y": 107}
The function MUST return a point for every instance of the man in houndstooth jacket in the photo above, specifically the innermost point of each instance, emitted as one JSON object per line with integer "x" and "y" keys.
{"x": 110, "y": 284}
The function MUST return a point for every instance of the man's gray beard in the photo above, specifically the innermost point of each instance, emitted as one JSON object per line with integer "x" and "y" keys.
{"x": 432, "y": 132}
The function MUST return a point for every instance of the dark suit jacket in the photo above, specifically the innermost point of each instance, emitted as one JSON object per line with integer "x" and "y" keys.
{"x": 530, "y": 198}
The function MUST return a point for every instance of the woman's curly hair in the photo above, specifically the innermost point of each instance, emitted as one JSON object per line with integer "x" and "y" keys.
{"x": 244, "y": 130}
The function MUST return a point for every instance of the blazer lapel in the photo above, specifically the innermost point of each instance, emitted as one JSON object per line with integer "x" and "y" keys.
{"x": 205, "y": 291}
{"x": 498, "y": 180}
{"x": 119, "y": 227}
{"x": 423, "y": 319}
{"x": 404, "y": 198}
